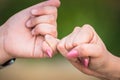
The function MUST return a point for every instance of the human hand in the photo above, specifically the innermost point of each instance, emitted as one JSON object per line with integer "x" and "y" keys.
{"x": 45, "y": 25}
{"x": 18, "y": 41}
{"x": 85, "y": 43}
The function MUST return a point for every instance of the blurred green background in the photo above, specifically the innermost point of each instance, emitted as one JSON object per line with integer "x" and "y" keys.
{"x": 103, "y": 15}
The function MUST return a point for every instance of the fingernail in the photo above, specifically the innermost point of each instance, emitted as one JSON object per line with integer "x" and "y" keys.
{"x": 72, "y": 54}
{"x": 85, "y": 62}
{"x": 34, "y": 11}
{"x": 49, "y": 53}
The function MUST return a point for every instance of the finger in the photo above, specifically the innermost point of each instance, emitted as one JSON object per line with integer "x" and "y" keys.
{"x": 47, "y": 10}
{"x": 61, "y": 47}
{"x": 73, "y": 54}
{"x": 50, "y": 19}
{"x": 47, "y": 49}
{"x": 82, "y": 68}
{"x": 83, "y": 52}
{"x": 52, "y": 42}
{"x": 84, "y": 36}
{"x": 37, "y": 9}
{"x": 37, "y": 49}
{"x": 55, "y": 3}
{"x": 84, "y": 61}
{"x": 69, "y": 41}
{"x": 43, "y": 29}
{"x": 86, "y": 50}
{"x": 78, "y": 65}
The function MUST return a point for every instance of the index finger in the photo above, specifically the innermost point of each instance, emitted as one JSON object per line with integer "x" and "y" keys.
{"x": 37, "y": 9}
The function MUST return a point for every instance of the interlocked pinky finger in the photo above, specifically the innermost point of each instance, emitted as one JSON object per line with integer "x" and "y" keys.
{"x": 47, "y": 50}
{"x": 52, "y": 42}
{"x": 61, "y": 47}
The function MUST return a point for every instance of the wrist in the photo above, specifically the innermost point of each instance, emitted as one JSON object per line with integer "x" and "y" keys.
{"x": 3, "y": 54}
{"x": 112, "y": 71}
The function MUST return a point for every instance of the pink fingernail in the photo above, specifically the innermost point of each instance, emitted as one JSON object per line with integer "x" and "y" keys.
{"x": 85, "y": 62}
{"x": 49, "y": 53}
{"x": 72, "y": 54}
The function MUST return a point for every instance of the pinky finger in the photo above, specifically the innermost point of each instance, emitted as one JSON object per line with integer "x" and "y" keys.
{"x": 47, "y": 50}
{"x": 84, "y": 61}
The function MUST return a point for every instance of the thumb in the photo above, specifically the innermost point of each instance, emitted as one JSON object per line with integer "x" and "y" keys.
{"x": 85, "y": 50}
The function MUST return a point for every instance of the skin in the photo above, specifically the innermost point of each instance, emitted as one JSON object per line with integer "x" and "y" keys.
{"x": 84, "y": 43}
{"x": 26, "y": 34}
{"x": 33, "y": 35}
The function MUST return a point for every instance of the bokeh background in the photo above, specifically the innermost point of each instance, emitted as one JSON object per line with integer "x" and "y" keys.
{"x": 103, "y": 15}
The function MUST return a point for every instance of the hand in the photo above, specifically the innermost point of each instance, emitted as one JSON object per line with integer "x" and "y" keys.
{"x": 17, "y": 40}
{"x": 45, "y": 26}
{"x": 84, "y": 43}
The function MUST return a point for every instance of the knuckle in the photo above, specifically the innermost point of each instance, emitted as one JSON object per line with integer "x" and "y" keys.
{"x": 69, "y": 46}
{"x": 60, "y": 47}
{"x": 54, "y": 32}
{"x": 36, "y": 21}
{"x": 86, "y": 25}
{"x": 75, "y": 44}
